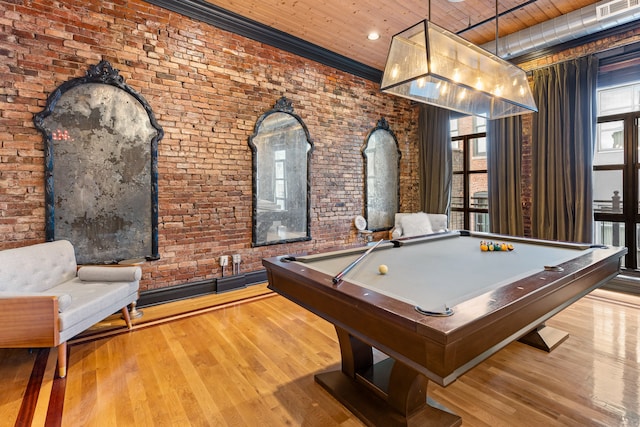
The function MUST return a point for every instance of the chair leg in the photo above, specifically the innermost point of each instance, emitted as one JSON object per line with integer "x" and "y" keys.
{"x": 127, "y": 318}
{"x": 62, "y": 360}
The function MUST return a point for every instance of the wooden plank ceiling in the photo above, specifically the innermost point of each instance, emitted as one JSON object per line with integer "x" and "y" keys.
{"x": 341, "y": 26}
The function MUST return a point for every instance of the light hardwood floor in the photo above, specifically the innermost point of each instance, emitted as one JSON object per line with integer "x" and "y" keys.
{"x": 252, "y": 364}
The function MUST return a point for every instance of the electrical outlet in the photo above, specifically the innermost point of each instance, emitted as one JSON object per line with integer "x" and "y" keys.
{"x": 224, "y": 261}
{"x": 236, "y": 259}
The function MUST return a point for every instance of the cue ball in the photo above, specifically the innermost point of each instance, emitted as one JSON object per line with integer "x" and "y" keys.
{"x": 383, "y": 269}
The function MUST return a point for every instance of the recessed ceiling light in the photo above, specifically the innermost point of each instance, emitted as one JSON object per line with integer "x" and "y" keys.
{"x": 373, "y": 36}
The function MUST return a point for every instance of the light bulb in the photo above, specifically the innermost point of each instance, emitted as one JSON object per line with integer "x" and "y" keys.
{"x": 394, "y": 71}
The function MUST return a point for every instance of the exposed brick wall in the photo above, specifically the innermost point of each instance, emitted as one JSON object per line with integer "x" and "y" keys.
{"x": 207, "y": 88}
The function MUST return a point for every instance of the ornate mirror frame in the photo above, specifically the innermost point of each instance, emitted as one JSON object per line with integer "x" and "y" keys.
{"x": 281, "y": 149}
{"x": 101, "y": 167}
{"x": 382, "y": 177}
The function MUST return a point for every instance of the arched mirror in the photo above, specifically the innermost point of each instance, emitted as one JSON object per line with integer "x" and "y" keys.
{"x": 101, "y": 144}
{"x": 382, "y": 173}
{"x": 281, "y": 157}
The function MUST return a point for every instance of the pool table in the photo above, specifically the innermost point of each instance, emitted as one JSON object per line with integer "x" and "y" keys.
{"x": 443, "y": 307}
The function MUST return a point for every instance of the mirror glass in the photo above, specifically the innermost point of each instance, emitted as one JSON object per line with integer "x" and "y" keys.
{"x": 101, "y": 168}
{"x": 382, "y": 172}
{"x": 281, "y": 153}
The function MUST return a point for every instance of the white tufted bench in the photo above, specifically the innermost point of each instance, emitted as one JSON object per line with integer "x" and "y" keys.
{"x": 45, "y": 299}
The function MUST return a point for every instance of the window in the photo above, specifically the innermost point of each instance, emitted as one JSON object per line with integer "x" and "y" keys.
{"x": 616, "y": 170}
{"x": 469, "y": 201}
{"x": 480, "y": 148}
{"x": 280, "y": 158}
{"x": 453, "y": 127}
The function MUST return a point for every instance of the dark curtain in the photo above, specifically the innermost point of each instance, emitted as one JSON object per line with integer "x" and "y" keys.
{"x": 504, "y": 155}
{"x": 562, "y": 150}
{"x": 434, "y": 150}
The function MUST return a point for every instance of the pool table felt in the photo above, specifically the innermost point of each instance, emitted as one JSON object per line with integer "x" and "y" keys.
{"x": 443, "y": 271}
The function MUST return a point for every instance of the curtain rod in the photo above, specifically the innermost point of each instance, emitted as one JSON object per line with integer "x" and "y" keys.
{"x": 530, "y": 72}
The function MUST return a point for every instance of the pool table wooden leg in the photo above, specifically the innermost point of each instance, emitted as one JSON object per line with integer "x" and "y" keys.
{"x": 544, "y": 338}
{"x": 386, "y": 393}
{"x": 357, "y": 356}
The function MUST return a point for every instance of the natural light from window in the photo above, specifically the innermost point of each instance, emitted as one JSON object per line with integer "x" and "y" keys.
{"x": 616, "y": 171}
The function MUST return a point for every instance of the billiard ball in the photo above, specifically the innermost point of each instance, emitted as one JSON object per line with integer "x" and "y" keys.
{"x": 383, "y": 269}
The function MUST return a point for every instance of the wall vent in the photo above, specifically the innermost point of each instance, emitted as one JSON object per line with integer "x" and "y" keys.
{"x": 615, "y": 7}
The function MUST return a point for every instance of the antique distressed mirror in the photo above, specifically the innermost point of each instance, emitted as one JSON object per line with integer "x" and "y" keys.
{"x": 101, "y": 143}
{"x": 382, "y": 177}
{"x": 281, "y": 158}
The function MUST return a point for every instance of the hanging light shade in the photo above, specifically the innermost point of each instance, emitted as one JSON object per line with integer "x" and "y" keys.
{"x": 431, "y": 65}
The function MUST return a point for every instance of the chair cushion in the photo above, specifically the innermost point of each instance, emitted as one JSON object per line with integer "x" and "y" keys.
{"x": 396, "y": 233}
{"x": 438, "y": 222}
{"x": 37, "y": 267}
{"x": 64, "y": 302}
{"x": 415, "y": 224}
{"x": 90, "y": 298}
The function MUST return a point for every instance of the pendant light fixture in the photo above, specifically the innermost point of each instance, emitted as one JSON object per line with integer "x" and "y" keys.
{"x": 431, "y": 65}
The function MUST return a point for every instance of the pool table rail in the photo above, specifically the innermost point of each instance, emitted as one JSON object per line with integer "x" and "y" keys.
{"x": 444, "y": 347}
{"x": 439, "y": 348}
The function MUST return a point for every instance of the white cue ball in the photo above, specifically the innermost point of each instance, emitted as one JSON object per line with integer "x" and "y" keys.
{"x": 383, "y": 269}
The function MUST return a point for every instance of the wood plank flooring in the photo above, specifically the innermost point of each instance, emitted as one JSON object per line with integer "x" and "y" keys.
{"x": 252, "y": 364}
